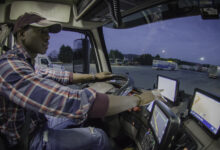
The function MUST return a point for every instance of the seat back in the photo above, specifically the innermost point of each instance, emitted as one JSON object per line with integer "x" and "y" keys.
{"x": 2, "y": 143}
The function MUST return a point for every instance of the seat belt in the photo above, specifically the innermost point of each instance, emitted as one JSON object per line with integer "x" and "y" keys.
{"x": 24, "y": 141}
{"x": 2, "y": 143}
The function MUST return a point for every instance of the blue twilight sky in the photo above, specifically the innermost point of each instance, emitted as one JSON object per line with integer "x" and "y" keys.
{"x": 189, "y": 39}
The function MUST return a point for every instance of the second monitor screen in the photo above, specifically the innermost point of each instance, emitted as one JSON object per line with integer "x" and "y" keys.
{"x": 206, "y": 110}
{"x": 169, "y": 87}
{"x": 158, "y": 122}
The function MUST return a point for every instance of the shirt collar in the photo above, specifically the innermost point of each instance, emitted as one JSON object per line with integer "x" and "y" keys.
{"x": 22, "y": 51}
{"x": 23, "y": 54}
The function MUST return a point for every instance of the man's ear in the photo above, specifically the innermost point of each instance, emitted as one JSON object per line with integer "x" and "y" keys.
{"x": 21, "y": 35}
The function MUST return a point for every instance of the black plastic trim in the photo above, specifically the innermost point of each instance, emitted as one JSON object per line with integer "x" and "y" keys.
{"x": 100, "y": 32}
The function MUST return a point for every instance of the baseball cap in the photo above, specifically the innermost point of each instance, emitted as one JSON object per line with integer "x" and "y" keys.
{"x": 35, "y": 20}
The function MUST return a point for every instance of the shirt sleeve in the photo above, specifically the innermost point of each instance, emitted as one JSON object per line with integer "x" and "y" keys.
{"x": 23, "y": 86}
{"x": 62, "y": 77}
{"x": 100, "y": 106}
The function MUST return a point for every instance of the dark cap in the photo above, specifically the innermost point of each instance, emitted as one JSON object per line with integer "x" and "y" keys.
{"x": 36, "y": 20}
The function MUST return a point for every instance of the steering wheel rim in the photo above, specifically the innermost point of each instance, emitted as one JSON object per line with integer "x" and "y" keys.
{"x": 128, "y": 84}
{"x": 122, "y": 91}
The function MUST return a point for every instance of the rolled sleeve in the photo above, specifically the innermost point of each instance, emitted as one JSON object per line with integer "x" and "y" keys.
{"x": 71, "y": 77}
{"x": 100, "y": 106}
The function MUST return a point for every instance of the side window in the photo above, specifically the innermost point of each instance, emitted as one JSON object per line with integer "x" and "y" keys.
{"x": 44, "y": 62}
{"x": 73, "y": 50}
{"x": 6, "y": 37}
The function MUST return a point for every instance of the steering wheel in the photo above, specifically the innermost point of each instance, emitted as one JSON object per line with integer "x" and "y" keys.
{"x": 119, "y": 85}
{"x": 124, "y": 82}
{"x": 122, "y": 85}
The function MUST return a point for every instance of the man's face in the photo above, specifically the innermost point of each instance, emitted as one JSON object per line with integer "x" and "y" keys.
{"x": 35, "y": 40}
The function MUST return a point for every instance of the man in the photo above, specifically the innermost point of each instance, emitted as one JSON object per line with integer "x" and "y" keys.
{"x": 25, "y": 94}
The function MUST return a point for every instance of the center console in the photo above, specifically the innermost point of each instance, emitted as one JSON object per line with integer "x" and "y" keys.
{"x": 153, "y": 130}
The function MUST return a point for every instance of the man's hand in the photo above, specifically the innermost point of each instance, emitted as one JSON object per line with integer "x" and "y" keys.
{"x": 148, "y": 96}
{"x": 157, "y": 94}
{"x": 103, "y": 75}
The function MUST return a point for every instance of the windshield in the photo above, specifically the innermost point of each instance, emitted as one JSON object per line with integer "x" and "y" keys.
{"x": 186, "y": 49}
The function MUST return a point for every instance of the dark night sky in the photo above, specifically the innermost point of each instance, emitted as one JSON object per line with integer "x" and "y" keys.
{"x": 190, "y": 39}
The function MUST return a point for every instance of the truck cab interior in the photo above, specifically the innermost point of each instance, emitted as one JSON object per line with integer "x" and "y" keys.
{"x": 189, "y": 118}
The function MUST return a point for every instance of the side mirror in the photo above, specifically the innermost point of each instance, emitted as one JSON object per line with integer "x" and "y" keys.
{"x": 81, "y": 55}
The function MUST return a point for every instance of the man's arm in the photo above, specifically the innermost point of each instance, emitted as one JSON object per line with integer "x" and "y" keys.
{"x": 65, "y": 77}
{"x": 20, "y": 83}
{"x": 117, "y": 104}
{"x": 62, "y": 77}
{"x": 80, "y": 78}
{"x": 25, "y": 88}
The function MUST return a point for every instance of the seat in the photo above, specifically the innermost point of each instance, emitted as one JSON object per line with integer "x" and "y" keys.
{"x": 2, "y": 143}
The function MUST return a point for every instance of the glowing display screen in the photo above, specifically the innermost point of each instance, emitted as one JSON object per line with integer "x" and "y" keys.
{"x": 158, "y": 122}
{"x": 207, "y": 111}
{"x": 169, "y": 87}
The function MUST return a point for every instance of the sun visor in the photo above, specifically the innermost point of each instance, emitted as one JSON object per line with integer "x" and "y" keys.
{"x": 2, "y": 13}
{"x": 51, "y": 11}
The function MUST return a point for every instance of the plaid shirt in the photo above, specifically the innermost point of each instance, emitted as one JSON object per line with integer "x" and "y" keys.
{"x": 63, "y": 77}
{"x": 22, "y": 88}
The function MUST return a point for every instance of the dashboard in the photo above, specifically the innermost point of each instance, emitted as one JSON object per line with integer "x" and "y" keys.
{"x": 153, "y": 128}
{"x": 183, "y": 122}
{"x": 188, "y": 133}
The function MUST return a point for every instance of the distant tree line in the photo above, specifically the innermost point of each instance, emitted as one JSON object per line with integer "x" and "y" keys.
{"x": 116, "y": 54}
{"x": 144, "y": 59}
{"x": 147, "y": 59}
{"x": 66, "y": 55}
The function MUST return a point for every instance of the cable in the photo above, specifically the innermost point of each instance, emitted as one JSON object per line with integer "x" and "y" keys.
{"x": 114, "y": 10}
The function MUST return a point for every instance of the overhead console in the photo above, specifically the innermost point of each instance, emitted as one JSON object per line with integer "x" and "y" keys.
{"x": 130, "y": 13}
{"x": 102, "y": 10}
